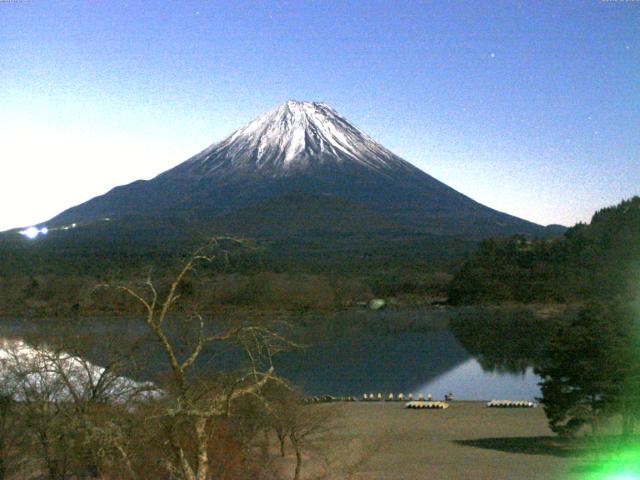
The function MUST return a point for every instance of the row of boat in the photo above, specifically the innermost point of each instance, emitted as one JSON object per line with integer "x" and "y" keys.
{"x": 401, "y": 397}
{"x": 421, "y": 402}
{"x": 510, "y": 404}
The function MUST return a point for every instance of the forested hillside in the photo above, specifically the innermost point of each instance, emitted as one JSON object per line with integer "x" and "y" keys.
{"x": 600, "y": 259}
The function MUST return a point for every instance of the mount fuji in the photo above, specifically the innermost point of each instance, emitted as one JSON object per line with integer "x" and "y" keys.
{"x": 300, "y": 170}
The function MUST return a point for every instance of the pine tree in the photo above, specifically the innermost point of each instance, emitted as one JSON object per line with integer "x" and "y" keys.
{"x": 592, "y": 369}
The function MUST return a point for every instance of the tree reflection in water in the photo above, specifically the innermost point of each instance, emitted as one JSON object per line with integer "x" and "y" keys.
{"x": 505, "y": 340}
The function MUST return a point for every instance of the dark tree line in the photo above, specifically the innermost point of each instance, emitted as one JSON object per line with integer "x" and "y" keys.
{"x": 598, "y": 260}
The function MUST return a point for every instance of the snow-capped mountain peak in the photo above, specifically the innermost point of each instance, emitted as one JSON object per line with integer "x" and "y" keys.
{"x": 295, "y": 136}
{"x": 302, "y": 165}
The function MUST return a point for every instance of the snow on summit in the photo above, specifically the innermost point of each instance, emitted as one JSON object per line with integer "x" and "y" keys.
{"x": 295, "y": 136}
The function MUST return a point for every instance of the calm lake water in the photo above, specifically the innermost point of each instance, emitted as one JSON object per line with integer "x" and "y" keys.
{"x": 426, "y": 361}
{"x": 429, "y": 362}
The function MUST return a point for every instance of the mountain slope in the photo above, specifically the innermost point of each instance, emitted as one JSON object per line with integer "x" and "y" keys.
{"x": 299, "y": 148}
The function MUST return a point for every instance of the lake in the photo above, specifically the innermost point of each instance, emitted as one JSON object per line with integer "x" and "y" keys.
{"x": 373, "y": 360}
{"x": 425, "y": 362}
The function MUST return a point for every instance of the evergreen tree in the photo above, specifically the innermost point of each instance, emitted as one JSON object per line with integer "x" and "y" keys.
{"x": 592, "y": 369}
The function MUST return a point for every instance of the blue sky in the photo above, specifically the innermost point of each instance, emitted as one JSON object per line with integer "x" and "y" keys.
{"x": 532, "y": 108}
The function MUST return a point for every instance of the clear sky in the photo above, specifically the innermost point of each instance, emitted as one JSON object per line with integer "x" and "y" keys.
{"x": 532, "y": 108}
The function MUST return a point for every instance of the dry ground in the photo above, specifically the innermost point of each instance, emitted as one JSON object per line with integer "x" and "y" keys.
{"x": 376, "y": 441}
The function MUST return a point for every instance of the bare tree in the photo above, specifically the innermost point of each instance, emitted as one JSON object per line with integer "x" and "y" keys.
{"x": 82, "y": 419}
{"x": 70, "y": 408}
{"x": 310, "y": 424}
{"x": 190, "y": 405}
{"x": 40, "y": 394}
{"x": 10, "y": 427}
{"x": 305, "y": 426}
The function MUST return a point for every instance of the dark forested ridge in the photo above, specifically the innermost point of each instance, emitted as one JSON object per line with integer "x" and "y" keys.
{"x": 599, "y": 259}
{"x": 54, "y": 275}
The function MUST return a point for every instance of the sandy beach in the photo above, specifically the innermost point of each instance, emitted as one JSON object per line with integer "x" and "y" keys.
{"x": 381, "y": 441}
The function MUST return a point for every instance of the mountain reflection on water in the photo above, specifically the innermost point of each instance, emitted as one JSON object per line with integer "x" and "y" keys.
{"x": 398, "y": 362}
{"x": 479, "y": 357}
{"x": 423, "y": 362}
{"x": 470, "y": 381}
